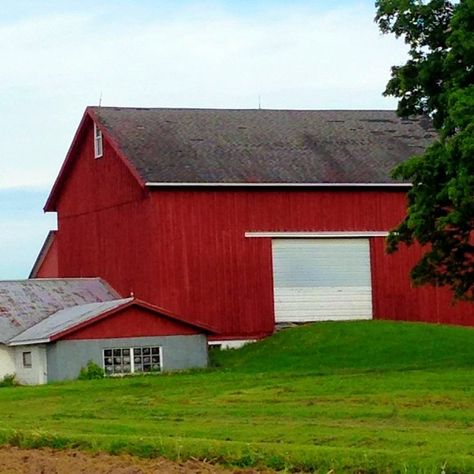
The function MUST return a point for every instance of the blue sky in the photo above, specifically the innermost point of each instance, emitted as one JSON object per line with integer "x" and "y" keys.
{"x": 59, "y": 56}
{"x": 23, "y": 230}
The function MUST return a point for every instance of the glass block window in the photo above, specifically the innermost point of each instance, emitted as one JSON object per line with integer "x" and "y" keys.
{"x": 147, "y": 359}
{"x": 132, "y": 360}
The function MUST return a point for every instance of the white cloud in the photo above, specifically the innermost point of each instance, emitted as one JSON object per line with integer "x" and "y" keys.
{"x": 294, "y": 57}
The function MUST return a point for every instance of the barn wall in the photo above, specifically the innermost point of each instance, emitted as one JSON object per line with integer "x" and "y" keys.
{"x": 131, "y": 322}
{"x": 49, "y": 267}
{"x": 228, "y": 278}
{"x": 396, "y": 298}
{"x": 186, "y": 251}
{"x": 210, "y": 268}
{"x": 102, "y": 219}
{"x": 66, "y": 358}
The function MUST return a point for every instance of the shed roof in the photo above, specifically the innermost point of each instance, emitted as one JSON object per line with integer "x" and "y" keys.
{"x": 72, "y": 318}
{"x": 24, "y": 303}
{"x": 65, "y": 319}
{"x": 263, "y": 146}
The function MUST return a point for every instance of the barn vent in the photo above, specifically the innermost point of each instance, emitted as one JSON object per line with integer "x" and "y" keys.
{"x": 98, "y": 144}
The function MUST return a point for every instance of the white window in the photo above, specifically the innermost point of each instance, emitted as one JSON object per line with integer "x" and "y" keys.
{"x": 132, "y": 360}
{"x": 98, "y": 144}
{"x": 27, "y": 363}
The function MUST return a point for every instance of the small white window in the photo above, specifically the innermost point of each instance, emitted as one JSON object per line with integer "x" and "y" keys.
{"x": 27, "y": 360}
{"x": 132, "y": 360}
{"x": 98, "y": 145}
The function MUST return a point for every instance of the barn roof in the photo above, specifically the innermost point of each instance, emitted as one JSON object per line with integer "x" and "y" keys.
{"x": 24, "y": 303}
{"x": 212, "y": 146}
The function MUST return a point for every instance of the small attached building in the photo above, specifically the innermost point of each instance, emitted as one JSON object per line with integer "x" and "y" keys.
{"x": 46, "y": 337}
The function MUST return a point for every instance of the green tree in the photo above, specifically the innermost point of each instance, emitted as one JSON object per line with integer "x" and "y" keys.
{"x": 438, "y": 81}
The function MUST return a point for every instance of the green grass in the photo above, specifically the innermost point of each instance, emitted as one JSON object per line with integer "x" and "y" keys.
{"x": 357, "y": 397}
{"x": 326, "y": 348}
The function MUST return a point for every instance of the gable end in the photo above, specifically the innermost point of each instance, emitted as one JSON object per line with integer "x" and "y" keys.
{"x": 89, "y": 119}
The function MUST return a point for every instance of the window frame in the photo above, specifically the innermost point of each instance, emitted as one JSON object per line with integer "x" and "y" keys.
{"x": 26, "y": 364}
{"x": 132, "y": 356}
{"x": 98, "y": 142}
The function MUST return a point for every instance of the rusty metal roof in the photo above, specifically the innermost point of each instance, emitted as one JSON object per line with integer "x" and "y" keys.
{"x": 185, "y": 146}
{"x": 65, "y": 319}
{"x": 24, "y": 303}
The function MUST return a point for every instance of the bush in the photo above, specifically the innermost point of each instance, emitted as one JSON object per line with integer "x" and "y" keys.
{"x": 91, "y": 372}
{"x": 9, "y": 380}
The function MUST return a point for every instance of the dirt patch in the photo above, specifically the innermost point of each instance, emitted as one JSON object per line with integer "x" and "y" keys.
{"x": 48, "y": 461}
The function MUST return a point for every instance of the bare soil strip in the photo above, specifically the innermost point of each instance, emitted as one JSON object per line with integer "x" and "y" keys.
{"x": 48, "y": 461}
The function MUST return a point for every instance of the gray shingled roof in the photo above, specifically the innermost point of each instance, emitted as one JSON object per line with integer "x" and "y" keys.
{"x": 65, "y": 319}
{"x": 25, "y": 303}
{"x": 264, "y": 146}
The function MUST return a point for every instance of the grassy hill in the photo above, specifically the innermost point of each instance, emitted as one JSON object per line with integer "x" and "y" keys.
{"x": 353, "y": 397}
{"x": 331, "y": 347}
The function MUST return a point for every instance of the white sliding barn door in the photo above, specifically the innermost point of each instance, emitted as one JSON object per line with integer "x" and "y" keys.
{"x": 321, "y": 279}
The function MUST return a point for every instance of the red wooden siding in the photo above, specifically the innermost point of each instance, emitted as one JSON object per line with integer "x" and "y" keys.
{"x": 396, "y": 298}
{"x": 96, "y": 184}
{"x": 49, "y": 265}
{"x": 102, "y": 218}
{"x": 131, "y": 322}
{"x": 186, "y": 250}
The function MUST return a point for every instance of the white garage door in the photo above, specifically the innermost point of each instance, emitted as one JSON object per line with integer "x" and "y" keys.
{"x": 321, "y": 279}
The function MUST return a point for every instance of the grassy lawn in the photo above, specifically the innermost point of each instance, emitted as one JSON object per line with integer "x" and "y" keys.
{"x": 366, "y": 396}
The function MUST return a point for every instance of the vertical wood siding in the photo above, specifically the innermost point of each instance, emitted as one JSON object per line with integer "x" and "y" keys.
{"x": 397, "y": 298}
{"x": 131, "y": 322}
{"x": 185, "y": 250}
{"x": 49, "y": 266}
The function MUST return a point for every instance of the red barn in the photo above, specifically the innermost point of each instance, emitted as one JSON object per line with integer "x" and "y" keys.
{"x": 46, "y": 263}
{"x": 242, "y": 218}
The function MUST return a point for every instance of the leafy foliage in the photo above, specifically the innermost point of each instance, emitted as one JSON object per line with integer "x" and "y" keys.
{"x": 9, "y": 380}
{"x": 438, "y": 81}
{"x": 91, "y": 372}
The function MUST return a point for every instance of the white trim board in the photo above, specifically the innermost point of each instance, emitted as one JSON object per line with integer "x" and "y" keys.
{"x": 29, "y": 342}
{"x": 289, "y": 185}
{"x": 323, "y": 234}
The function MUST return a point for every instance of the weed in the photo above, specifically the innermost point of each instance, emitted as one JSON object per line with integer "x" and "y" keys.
{"x": 91, "y": 371}
{"x": 9, "y": 380}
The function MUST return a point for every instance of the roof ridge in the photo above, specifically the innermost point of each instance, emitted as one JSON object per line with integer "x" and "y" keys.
{"x": 230, "y": 109}
{"x": 20, "y": 280}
